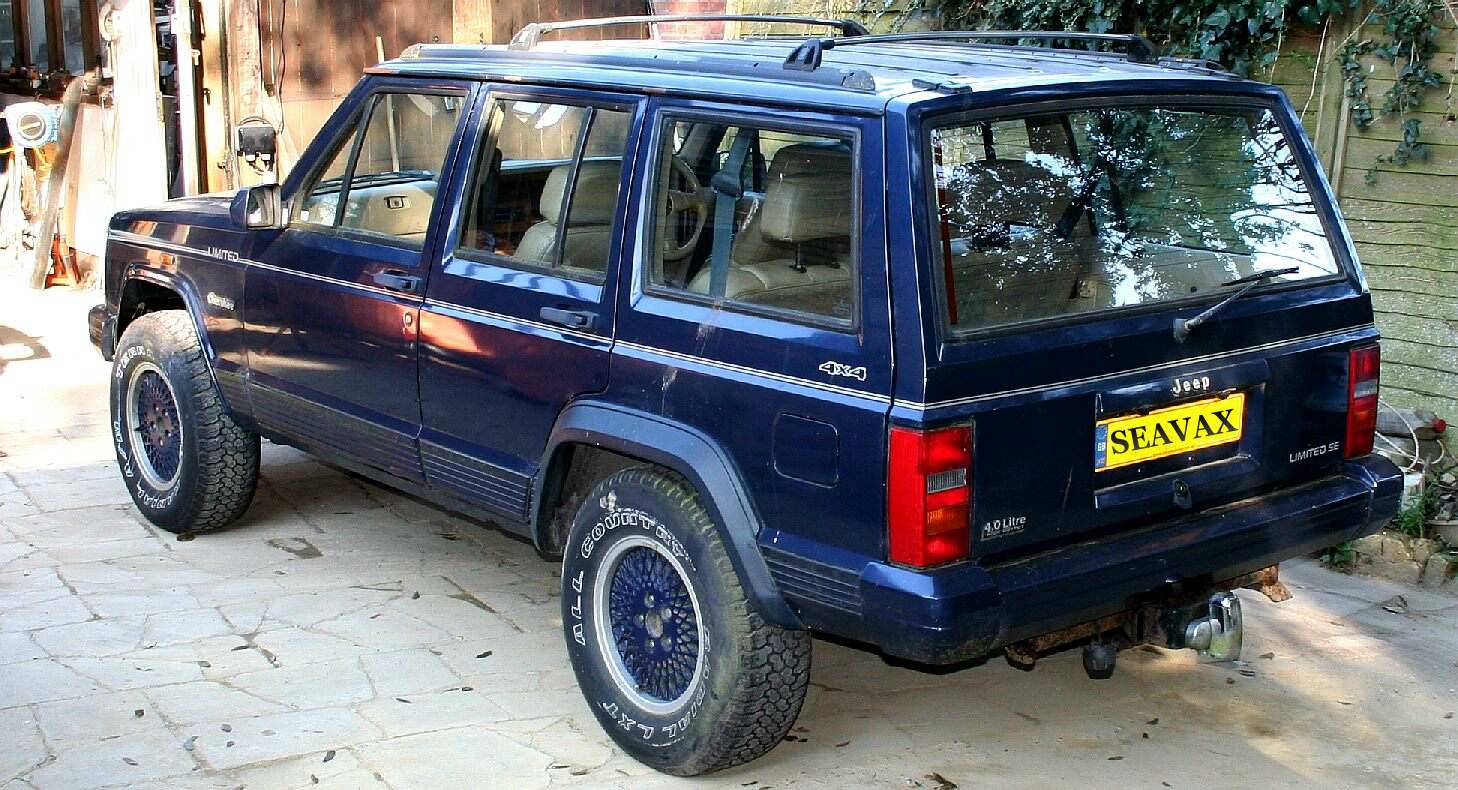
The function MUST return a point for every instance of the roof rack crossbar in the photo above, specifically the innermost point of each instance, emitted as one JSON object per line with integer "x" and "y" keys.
{"x": 807, "y": 56}
{"x": 531, "y": 34}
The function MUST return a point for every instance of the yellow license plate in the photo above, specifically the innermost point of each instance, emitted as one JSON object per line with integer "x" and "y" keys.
{"x": 1134, "y": 438}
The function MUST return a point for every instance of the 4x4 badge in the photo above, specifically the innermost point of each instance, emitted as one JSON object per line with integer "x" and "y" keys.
{"x": 844, "y": 371}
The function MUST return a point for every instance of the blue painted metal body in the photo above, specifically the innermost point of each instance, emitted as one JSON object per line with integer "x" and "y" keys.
{"x": 462, "y": 393}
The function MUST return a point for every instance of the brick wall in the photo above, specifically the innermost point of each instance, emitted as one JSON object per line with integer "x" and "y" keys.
{"x": 690, "y": 31}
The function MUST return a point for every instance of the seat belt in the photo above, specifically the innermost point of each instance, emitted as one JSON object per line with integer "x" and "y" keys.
{"x": 728, "y": 185}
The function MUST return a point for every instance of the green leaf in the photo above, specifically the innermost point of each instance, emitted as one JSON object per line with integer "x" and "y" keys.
{"x": 1219, "y": 19}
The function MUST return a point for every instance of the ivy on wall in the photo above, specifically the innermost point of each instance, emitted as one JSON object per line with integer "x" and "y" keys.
{"x": 1246, "y": 36}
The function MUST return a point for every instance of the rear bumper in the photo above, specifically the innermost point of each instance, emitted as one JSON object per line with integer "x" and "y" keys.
{"x": 101, "y": 326}
{"x": 967, "y": 611}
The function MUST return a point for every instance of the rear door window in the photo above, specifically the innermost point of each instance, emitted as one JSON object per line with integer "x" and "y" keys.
{"x": 1096, "y": 209}
{"x": 760, "y": 218}
{"x": 545, "y": 193}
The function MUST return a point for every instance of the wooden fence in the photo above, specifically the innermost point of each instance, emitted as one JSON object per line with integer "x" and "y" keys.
{"x": 1404, "y": 219}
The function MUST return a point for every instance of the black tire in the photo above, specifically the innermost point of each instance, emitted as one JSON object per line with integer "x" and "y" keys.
{"x": 749, "y": 677}
{"x": 215, "y": 473}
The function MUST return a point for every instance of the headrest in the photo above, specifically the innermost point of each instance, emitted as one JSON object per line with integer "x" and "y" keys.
{"x": 596, "y": 200}
{"x": 809, "y": 194}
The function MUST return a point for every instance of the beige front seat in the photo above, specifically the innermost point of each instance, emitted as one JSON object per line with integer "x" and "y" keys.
{"x": 588, "y": 236}
{"x": 400, "y": 210}
{"x": 794, "y": 251}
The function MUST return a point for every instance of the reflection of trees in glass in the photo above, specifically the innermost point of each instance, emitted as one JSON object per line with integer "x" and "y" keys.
{"x": 1145, "y": 203}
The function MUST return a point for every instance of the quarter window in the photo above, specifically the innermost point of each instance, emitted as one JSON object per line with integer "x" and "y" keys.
{"x": 756, "y": 217}
{"x": 383, "y": 180}
{"x": 546, "y": 188}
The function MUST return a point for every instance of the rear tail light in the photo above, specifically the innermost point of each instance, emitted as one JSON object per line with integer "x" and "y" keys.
{"x": 929, "y": 496}
{"x": 1363, "y": 383}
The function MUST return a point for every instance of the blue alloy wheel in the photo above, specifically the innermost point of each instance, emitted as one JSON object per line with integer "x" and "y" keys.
{"x": 155, "y": 430}
{"x": 648, "y": 607}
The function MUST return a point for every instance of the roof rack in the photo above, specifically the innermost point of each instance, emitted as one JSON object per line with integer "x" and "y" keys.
{"x": 530, "y": 35}
{"x": 807, "y": 56}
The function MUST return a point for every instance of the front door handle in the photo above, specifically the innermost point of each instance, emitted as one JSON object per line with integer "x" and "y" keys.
{"x": 396, "y": 280}
{"x": 572, "y": 319}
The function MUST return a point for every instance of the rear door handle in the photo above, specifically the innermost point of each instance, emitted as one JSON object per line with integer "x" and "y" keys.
{"x": 572, "y": 319}
{"x": 396, "y": 280}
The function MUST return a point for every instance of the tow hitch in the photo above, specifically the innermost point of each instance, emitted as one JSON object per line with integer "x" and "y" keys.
{"x": 1216, "y": 633}
{"x": 1212, "y": 626}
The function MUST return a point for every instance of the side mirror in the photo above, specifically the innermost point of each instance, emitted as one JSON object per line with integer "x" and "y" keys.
{"x": 258, "y": 208}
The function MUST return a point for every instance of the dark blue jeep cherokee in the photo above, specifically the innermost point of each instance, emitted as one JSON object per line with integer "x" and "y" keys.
{"x": 941, "y": 345}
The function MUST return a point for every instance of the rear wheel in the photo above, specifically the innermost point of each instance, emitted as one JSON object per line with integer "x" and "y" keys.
{"x": 188, "y": 465}
{"x": 677, "y": 666}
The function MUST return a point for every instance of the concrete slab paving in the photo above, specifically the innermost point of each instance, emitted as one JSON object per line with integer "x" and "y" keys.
{"x": 347, "y": 636}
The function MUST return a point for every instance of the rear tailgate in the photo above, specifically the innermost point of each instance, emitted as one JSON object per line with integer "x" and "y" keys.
{"x": 1037, "y": 477}
{"x": 1065, "y": 240}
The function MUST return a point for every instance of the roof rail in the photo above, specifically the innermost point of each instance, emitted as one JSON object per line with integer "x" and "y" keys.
{"x": 530, "y": 34}
{"x": 807, "y": 56}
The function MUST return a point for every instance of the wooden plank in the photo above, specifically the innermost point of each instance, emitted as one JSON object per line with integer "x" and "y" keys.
{"x": 1406, "y": 325}
{"x": 1379, "y": 210}
{"x": 1443, "y": 359}
{"x": 1424, "y": 241}
{"x": 1402, "y": 255}
{"x": 1418, "y": 304}
{"x": 1438, "y": 160}
{"x": 1405, "y": 234}
{"x": 1420, "y": 380}
{"x": 1441, "y": 404}
{"x": 1414, "y": 187}
{"x": 1435, "y": 285}
{"x": 1435, "y": 128}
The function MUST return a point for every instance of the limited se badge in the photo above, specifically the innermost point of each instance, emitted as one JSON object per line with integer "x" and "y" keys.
{"x": 1131, "y": 439}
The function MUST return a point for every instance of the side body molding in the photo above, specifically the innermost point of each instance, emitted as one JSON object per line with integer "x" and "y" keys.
{"x": 702, "y": 462}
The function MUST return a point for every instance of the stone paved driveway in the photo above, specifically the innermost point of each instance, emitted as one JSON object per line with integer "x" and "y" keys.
{"x": 346, "y": 636}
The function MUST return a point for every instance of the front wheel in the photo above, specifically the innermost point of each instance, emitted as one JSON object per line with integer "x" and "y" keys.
{"x": 676, "y": 664}
{"x": 188, "y": 465}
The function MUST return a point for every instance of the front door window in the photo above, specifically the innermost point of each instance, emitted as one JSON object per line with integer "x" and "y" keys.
{"x": 382, "y": 182}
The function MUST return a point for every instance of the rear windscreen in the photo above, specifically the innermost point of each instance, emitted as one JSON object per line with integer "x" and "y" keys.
{"x": 1096, "y": 209}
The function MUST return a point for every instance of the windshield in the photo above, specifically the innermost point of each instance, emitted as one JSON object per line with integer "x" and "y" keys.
{"x": 1096, "y": 209}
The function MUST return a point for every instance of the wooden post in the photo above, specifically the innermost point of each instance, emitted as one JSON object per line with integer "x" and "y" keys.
{"x": 189, "y": 120}
{"x": 139, "y": 161}
{"x": 214, "y": 111}
{"x": 245, "y": 78}
{"x": 471, "y": 22}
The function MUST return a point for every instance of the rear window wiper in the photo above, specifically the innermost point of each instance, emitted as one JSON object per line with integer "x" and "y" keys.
{"x": 1184, "y": 326}
{"x": 1260, "y": 277}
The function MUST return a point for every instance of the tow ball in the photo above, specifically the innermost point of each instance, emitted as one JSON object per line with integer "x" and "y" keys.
{"x": 1219, "y": 636}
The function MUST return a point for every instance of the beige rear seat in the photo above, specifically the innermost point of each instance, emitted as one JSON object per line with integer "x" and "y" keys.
{"x": 587, "y": 240}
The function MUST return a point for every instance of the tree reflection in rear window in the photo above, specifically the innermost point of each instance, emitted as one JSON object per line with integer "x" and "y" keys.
{"x": 1072, "y": 213}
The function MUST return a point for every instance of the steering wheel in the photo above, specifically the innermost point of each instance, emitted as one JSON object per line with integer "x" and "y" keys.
{"x": 690, "y": 199}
